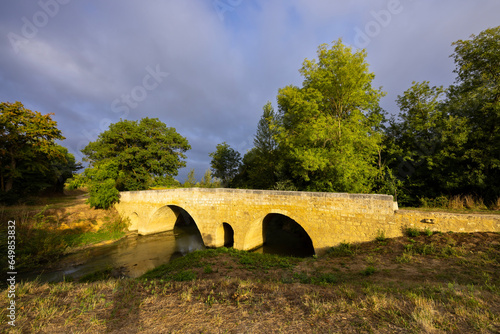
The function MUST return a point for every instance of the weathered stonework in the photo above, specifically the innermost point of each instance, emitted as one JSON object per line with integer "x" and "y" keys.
{"x": 328, "y": 218}
{"x": 446, "y": 221}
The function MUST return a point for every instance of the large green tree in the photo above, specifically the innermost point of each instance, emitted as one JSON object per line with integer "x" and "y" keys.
{"x": 30, "y": 159}
{"x": 142, "y": 150}
{"x": 329, "y": 135}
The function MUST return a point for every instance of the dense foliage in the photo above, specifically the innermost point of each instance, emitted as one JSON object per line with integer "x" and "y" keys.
{"x": 326, "y": 135}
{"x": 331, "y": 135}
{"x": 30, "y": 159}
{"x": 447, "y": 141}
{"x": 132, "y": 155}
{"x": 327, "y": 130}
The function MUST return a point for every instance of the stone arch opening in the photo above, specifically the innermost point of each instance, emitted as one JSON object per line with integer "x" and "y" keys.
{"x": 169, "y": 218}
{"x": 228, "y": 235}
{"x": 187, "y": 234}
{"x": 284, "y": 236}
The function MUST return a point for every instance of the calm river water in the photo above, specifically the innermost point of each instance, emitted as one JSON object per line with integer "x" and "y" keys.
{"x": 135, "y": 254}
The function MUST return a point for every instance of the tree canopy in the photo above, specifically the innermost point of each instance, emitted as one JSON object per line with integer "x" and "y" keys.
{"x": 225, "y": 163}
{"x": 331, "y": 135}
{"x": 447, "y": 141}
{"x": 328, "y": 126}
{"x": 30, "y": 158}
{"x": 142, "y": 150}
{"x": 475, "y": 100}
{"x": 260, "y": 164}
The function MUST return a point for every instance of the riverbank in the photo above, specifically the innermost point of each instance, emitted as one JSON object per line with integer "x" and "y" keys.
{"x": 422, "y": 282}
{"x": 48, "y": 228}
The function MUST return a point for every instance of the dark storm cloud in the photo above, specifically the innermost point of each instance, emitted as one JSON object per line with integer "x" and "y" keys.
{"x": 208, "y": 70}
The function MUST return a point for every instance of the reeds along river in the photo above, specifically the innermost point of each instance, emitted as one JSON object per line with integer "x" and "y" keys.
{"x": 134, "y": 255}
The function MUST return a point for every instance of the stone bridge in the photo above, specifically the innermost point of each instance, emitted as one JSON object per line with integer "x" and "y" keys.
{"x": 238, "y": 216}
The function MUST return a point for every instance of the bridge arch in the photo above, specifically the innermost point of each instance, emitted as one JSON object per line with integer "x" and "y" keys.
{"x": 255, "y": 235}
{"x": 165, "y": 219}
{"x": 286, "y": 236}
{"x": 225, "y": 235}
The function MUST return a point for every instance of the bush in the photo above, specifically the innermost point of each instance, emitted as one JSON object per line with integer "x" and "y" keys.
{"x": 412, "y": 232}
{"x": 370, "y": 270}
{"x": 344, "y": 249}
{"x": 438, "y": 202}
{"x": 103, "y": 194}
{"x": 77, "y": 181}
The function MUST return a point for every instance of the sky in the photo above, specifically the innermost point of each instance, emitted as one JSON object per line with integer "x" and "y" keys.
{"x": 207, "y": 67}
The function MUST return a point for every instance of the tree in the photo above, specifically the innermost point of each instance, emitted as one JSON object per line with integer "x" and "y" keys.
{"x": 414, "y": 145}
{"x": 475, "y": 99}
{"x": 265, "y": 139}
{"x": 102, "y": 184}
{"x": 61, "y": 170}
{"x": 329, "y": 132}
{"x": 30, "y": 160}
{"x": 191, "y": 180}
{"x": 451, "y": 146}
{"x": 225, "y": 163}
{"x": 259, "y": 168}
{"x": 207, "y": 180}
{"x": 142, "y": 150}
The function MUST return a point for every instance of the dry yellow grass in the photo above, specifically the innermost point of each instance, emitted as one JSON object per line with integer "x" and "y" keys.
{"x": 445, "y": 291}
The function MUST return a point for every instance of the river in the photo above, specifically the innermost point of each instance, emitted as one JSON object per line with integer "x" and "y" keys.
{"x": 134, "y": 255}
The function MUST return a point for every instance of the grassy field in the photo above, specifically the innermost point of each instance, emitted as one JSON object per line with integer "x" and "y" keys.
{"x": 422, "y": 283}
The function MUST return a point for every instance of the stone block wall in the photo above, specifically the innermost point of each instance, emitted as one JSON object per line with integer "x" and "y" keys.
{"x": 328, "y": 218}
{"x": 446, "y": 222}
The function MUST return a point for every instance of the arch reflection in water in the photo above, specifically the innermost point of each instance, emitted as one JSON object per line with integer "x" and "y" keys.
{"x": 284, "y": 236}
{"x": 187, "y": 235}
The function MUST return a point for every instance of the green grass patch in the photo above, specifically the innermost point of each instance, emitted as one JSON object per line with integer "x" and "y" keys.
{"x": 252, "y": 260}
{"x": 316, "y": 278}
{"x": 199, "y": 259}
{"x": 342, "y": 250}
{"x": 184, "y": 276}
{"x": 370, "y": 270}
{"x": 189, "y": 261}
